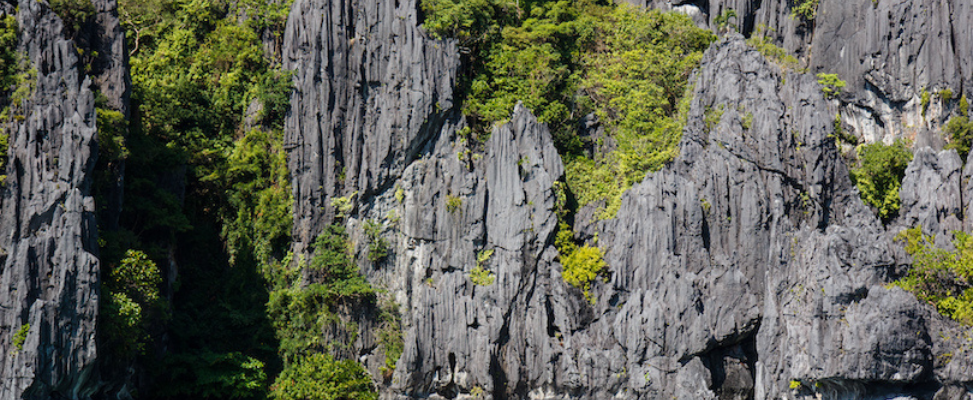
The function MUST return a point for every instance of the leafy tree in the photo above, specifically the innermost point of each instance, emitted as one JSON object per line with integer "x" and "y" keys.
{"x": 879, "y": 175}
{"x": 132, "y": 297}
{"x": 320, "y": 377}
{"x": 74, "y": 13}
{"x": 939, "y": 276}
{"x": 960, "y": 130}
{"x": 9, "y": 59}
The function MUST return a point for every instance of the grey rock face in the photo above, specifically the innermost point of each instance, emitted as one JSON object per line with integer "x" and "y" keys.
{"x": 50, "y": 272}
{"x": 888, "y": 52}
{"x": 495, "y": 213}
{"x": 747, "y": 264}
{"x": 371, "y": 89}
{"x": 931, "y": 194}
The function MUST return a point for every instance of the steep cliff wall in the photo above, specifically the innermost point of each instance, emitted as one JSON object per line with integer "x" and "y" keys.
{"x": 50, "y": 275}
{"x": 889, "y": 52}
{"x": 747, "y": 268}
{"x": 371, "y": 89}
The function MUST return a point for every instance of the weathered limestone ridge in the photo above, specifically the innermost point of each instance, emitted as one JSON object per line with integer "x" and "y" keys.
{"x": 50, "y": 272}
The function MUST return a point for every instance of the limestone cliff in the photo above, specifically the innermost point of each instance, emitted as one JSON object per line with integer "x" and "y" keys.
{"x": 889, "y": 52}
{"x": 50, "y": 275}
{"x": 745, "y": 266}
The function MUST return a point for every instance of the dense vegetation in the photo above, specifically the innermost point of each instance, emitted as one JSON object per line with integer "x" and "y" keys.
{"x": 941, "y": 277}
{"x": 566, "y": 60}
{"x": 203, "y": 190}
{"x": 960, "y": 130}
{"x": 879, "y": 174}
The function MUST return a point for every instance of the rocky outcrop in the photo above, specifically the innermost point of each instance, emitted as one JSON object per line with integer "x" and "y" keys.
{"x": 50, "y": 275}
{"x": 890, "y": 53}
{"x": 746, "y": 268}
{"x": 931, "y": 195}
{"x": 472, "y": 267}
{"x": 370, "y": 90}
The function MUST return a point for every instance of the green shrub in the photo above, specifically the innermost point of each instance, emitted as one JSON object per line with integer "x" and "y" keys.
{"x": 112, "y": 129}
{"x": 74, "y": 13}
{"x": 299, "y": 313}
{"x": 939, "y": 276}
{"x": 343, "y": 205}
{"x": 133, "y": 295}
{"x": 765, "y": 45}
{"x": 712, "y": 116}
{"x": 481, "y": 276}
{"x": 945, "y": 94}
{"x": 582, "y": 266}
{"x": 21, "y": 336}
{"x": 830, "y": 85}
{"x": 960, "y": 132}
{"x": 320, "y": 377}
{"x": 378, "y": 247}
{"x": 453, "y": 203}
{"x": 390, "y": 337}
{"x": 722, "y": 21}
{"x": 9, "y": 59}
{"x": 806, "y": 9}
{"x": 879, "y": 175}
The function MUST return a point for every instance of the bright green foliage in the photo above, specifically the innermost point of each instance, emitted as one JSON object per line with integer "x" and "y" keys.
{"x": 9, "y": 60}
{"x": 481, "y": 276}
{"x": 343, "y": 205}
{"x": 390, "y": 337}
{"x": 637, "y": 84}
{"x": 472, "y": 22}
{"x": 453, "y": 203}
{"x": 723, "y": 21}
{"x": 74, "y": 13}
{"x": 320, "y": 377}
{"x": 17, "y": 77}
{"x": 831, "y": 85}
{"x": 960, "y": 131}
{"x": 879, "y": 175}
{"x": 299, "y": 313}
{"x": 21, "y": 336}
{"x": 534, "y": 62}
{"x": 138, "y": 277}
{"x": 712, "y": 117}
{"x": 112, "y": 129}
{"x": 582, "y": 266}
{"x": 945, "y": 94}
{"x": 941, "y": 277}
{"x": 258, "y": 222}
{"x": 123, "y": 324}
{"x": 378, "y": 247}
{"x": 565, "y": 59}
{"x": 807, "y": 9}
{"x": 132, "y": 292}
{"x": 765, "y": 45}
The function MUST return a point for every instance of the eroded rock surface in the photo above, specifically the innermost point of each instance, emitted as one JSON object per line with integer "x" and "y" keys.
{"x": 371, "y": 89}
{"x": 890, "y": 53}
{"x": 50, "y": 275}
